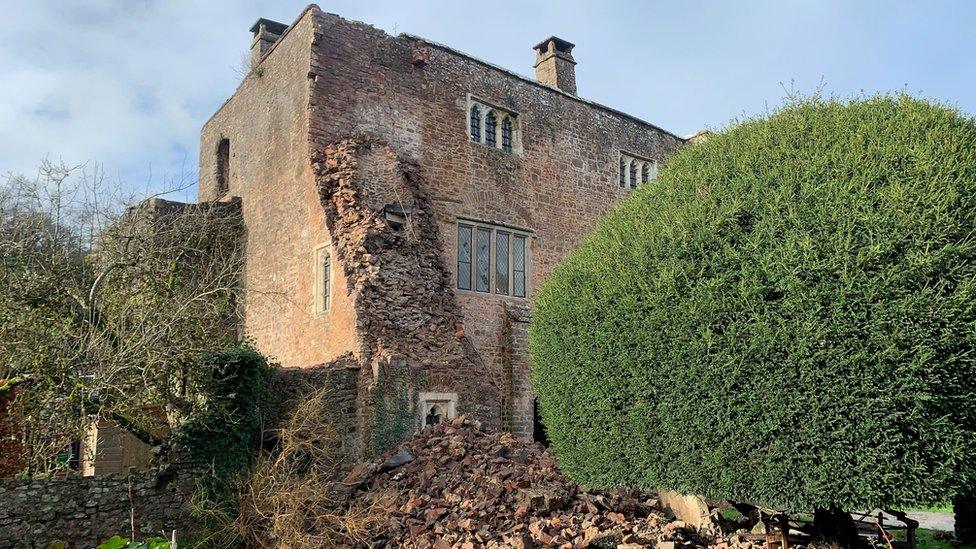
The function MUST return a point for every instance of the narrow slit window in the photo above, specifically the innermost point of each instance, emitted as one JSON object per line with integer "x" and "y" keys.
{"x": 223, "y": 166}
{"x": 507, "y": 134}
{"x": 475, "y": 124}
{"x": 483, "y": 274}
{"x": 464, "y": 258}
{"x": 323, "y": 280}
{"x": 623, "y": 173}
{"x": 490, "y": 129}
{"x": 501, "y": 262}
{"x": 518, "y": 266}
{"x": 645, "y": 173}
{"x": 633, "y": 174}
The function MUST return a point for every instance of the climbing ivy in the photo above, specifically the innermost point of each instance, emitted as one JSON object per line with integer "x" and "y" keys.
{"x": 395, "y": 414}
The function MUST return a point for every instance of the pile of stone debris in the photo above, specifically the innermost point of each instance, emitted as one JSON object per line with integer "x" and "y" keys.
{"x": 458, "y": 485}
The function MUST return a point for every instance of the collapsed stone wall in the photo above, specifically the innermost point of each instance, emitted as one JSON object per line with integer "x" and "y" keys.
{"x": 407, "y": 314}
{"x": 85, "y": 511}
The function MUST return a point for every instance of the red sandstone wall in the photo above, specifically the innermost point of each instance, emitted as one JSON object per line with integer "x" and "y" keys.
{"x": 270, "y": 169}
{"x": 565, "y": 180}
{"x": 327, "y": 79}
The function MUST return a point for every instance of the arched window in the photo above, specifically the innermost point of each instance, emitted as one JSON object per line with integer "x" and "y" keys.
{"x": 645, "y": 172}
{"x": 507, "y": 134}
{"x": 475, "y": 124}
{"x": 490, "y": 129}
{"x": 633, "y": 174}
{"x": 623, "y": 173}
{"x": 223, "y": 166}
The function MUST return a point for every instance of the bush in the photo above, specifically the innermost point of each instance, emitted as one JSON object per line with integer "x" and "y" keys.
{"x": 785, "y": 317}
{"x": 224, "y": 434}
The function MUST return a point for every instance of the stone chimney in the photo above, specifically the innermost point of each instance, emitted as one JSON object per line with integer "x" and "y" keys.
{"x": 266, "y": 33}
{"x": 554, "y": 64}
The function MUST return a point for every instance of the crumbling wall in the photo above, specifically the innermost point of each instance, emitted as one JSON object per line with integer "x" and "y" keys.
{"x": 405, "y": 306}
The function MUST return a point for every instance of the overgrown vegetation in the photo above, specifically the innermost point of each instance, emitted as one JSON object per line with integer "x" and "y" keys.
{"x": 105, "y": 309}
{"x": 395, "y": 413}
{"x": 785, "y": 317}
{"x": 224, "y": 433}
{"x": 291, "y": 497}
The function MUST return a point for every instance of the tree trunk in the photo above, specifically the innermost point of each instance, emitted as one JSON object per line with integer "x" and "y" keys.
{"x": 964, "y": 506}
{"x": 836, "y": 527}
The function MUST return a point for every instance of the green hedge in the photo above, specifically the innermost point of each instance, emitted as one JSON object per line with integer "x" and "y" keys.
{"x": 786, "y": 316}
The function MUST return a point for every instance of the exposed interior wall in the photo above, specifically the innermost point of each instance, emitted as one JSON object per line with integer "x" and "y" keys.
{"x": 266, "y": 122}
{"x": 407, "y": 314}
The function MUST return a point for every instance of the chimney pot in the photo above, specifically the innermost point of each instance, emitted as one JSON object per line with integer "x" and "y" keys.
{"x": 266, "y": 33}
{"x": 554, "y": 64}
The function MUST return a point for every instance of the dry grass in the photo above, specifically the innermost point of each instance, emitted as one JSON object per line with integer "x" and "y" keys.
{"x": 291, "y": 498}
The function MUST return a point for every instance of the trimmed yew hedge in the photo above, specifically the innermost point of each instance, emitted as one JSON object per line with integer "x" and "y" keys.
{"x": 787, "y": 316}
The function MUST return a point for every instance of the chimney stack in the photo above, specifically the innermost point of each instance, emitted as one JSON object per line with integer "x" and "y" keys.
{"x": 554, "y": 64}
{"x": 266, "y": 33}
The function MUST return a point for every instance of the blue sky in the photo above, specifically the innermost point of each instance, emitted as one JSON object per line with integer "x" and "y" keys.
{"x": 128, "y": 83}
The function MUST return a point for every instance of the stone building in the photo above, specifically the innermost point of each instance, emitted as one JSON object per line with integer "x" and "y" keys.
{"x": 402, "y": 200}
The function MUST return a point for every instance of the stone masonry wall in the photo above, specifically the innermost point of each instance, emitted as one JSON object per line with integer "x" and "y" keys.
{"x": 406, "y": 311}
{"x": 563, "y": 182}
{"x": 327, "y": 79}
{"x": 266, "y": 122}
{"x": 82, "y": 512}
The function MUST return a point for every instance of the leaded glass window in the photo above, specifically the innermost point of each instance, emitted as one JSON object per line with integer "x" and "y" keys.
{"x": 464, "y": 257}
{"x": 483, "y": 273}
{"x": 623, "y": 172}
{"x": 491, "y": 259}
{"x": 633, "y": 174}
{"x": 501, "y": 262}
{"x": 490, "y": 129}
{"x": 645, "y": 172}
{"x": 475, "y": 124}
{"x": 518, "y": 266}
{"x": 507, "y": 134}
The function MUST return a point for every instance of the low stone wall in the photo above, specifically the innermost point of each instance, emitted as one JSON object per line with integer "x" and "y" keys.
{"x": 85, "y": 511}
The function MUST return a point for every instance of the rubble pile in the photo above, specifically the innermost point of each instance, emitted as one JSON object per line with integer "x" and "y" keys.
{"x": 457, "y": 485}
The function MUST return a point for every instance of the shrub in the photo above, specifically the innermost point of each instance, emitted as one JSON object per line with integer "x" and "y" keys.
{"x": 786, "y": 317}
{"x": 224, "y": 433}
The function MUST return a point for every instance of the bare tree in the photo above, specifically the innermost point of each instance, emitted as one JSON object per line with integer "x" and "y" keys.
{"x": 107, "y": 303}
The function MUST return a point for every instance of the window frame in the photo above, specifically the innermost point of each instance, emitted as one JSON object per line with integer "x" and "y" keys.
{"x": 514, "y": 234}
{"x": 222, "y": 167}
{"x": 501, "y": 114}
{"x": 322, "y": 295}
{"x": 626, "y": 159}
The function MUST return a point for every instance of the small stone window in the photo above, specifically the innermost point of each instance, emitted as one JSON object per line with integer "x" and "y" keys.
{"x": 634, "y": 170}
{"x": 491, "y": 129}
{"x": 507, "y": 134}
{"x": 223, "y": 166}
{"x": 436, "y": 408}
{"x": 492, "y": 259}
{"x": 485, "y": 122}
{"x": 475, "y": 124}
{"x": 322, "y": 293}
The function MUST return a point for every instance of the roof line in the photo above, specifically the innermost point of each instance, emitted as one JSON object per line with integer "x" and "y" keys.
{"x": 539, "y": 84}
{"x": 308, "y": 8}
